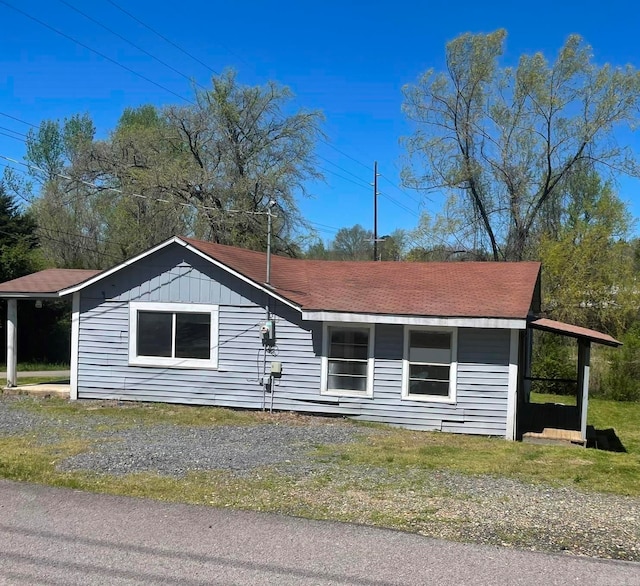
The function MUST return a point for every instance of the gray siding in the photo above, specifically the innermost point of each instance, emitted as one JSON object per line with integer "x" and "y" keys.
{"x": 175, "y": 275}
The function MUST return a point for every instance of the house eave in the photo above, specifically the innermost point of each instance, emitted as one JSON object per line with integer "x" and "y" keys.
{"x": 33, "y": 295}
{"x": 416, "y": 320}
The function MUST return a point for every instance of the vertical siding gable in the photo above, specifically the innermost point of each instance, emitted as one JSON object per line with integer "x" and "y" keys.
{"x": 175, "y": 275}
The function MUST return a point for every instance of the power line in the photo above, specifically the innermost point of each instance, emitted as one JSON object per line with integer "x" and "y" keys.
{"x": 184, "y": 51}
{"x": 167, "y": 40}
{"x": 342, "y": 177}
{"x": 400, "y": 189}
{"x": 12, "y": 136}
{"x": 360, "y": 183}
{"x": 344, "y": 170}
{"x": 14, "y": 131}
{"x": 99, "y": 53}
{"x": 17, "y": 119}
{"x": 134, "y": 45}
{"x": 150, "y": 80}
{"x": 400, "y": 205}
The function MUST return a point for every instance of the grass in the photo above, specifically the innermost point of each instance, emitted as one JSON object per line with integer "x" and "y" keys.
{"x": 33, "y": 380}
{"x": 115, "y": 412}
{"x": 36, "y": 366}
{"x": 550, "y": 398}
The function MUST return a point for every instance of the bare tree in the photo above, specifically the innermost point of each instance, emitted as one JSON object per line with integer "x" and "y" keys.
{"x": 507, "y": 138}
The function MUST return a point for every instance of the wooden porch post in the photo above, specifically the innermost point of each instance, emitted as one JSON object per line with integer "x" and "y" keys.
{"x": 528, "y": 358}
{"x": 75, "y": 336}
{"x": 584, "y": 353}
{"x": 12, "y": 342}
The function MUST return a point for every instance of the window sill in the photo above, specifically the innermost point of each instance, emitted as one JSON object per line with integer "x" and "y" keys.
{"x": 160, "y": 362}
{"x": 352, "y": 394}
{"x": 430, "y": 399}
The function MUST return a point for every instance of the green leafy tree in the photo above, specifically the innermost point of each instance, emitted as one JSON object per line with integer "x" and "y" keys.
{"x": 65, "y": 206}
{"x": 503, "y": 140}
{"x": 208, "y": 170}
{"x": 241, "y": 152}
{"x": 18, "y": 242}
{"x": 589, "y": 273}
{"x": 393, "y": 246}
{"x": 317, "y": 250}
{"x": 353, "y": 243}
{"x": 622, "y": 377}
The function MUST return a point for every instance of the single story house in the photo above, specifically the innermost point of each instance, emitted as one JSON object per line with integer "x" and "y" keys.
{"x": 429, "y": 346}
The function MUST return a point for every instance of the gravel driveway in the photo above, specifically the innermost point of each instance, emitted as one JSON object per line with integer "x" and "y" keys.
{"x": 480, "y": 509}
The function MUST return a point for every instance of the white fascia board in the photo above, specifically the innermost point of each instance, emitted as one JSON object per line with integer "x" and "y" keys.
{"x": 6, "y": 295}
{"x": 458, "y": 322}
{"x": 176, "y": 240}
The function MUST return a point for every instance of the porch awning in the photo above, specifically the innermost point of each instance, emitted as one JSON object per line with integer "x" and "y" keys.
{"x": 558, "y": 327}
{"x": 47, "y": 283}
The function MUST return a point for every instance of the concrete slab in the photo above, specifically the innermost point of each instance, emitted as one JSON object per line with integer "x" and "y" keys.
{"x": 40, "y": 390}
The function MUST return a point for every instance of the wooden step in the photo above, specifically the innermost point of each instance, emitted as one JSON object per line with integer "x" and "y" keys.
{"x": 551, "y": 435}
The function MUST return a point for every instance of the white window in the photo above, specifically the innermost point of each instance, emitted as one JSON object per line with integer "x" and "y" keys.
{"x": 173, "y": 334}
{"x": 347, "y": 361}
{"x": 429, "y": 366}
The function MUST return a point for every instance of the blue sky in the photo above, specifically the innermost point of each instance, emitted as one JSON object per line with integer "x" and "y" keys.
{"x": 349, "y": 59}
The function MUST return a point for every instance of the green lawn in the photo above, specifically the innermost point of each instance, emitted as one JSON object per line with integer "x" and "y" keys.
{"x": 36, "y": 366}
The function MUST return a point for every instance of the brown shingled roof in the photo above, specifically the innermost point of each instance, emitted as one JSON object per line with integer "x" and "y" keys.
{"x": 46, "y": 282}
{"x": 464, "y": 289}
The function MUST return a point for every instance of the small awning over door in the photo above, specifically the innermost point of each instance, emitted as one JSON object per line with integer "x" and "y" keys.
{"x": 558, "y": 327}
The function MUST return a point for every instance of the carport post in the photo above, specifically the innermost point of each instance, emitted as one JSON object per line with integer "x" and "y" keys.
{"x": 584, "y": 355}
{"x": 12, "y": 342}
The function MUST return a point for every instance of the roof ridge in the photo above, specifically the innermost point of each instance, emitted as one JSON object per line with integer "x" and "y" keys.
{"x": 196, "y": 241}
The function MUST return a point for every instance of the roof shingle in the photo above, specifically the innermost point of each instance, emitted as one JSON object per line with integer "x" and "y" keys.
{"x": 46, "y": 282}
{"x": 464, "y": 289}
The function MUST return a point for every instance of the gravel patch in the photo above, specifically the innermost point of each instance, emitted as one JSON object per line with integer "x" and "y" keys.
{"x": 503, "y": 511}
{"x": 174, "y": 451}
{"x": 17, "y": 421}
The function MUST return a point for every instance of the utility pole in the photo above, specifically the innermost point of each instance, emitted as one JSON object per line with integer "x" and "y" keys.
{"x": 375, "y": 210}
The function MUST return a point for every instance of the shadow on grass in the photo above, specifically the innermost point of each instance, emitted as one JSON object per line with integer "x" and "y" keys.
{"x": 604, "y": 439}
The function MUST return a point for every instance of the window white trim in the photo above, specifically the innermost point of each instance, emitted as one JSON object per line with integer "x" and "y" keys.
{"x": 135, "y": 360}
{"x": 324, "y": 375}
{"x": 453, "y": 366}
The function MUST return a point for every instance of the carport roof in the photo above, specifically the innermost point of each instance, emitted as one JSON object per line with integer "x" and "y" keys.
{"x": 45, "y": 283}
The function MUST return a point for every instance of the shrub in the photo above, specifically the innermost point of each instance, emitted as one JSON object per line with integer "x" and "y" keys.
{"x": 622, "y": 378}
{"x": 554, "y": 357}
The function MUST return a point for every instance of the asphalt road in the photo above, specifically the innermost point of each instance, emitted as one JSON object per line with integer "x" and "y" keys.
{"x": 58, "y": 536}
